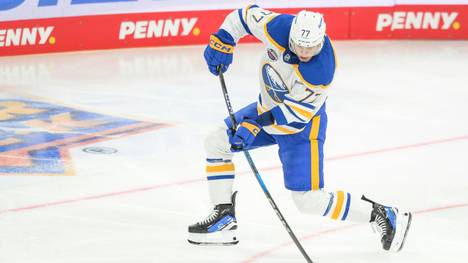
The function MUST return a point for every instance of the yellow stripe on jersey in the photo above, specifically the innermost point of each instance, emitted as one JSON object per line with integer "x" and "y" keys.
{"x": 252, "y": 128}
{"x": 260, "y": 109}
{"x": 301, "y": 111}
{"x": 314, "y": 152}
{"x": 220, "y": 168}
{"x": 315, "y": 165}
{"x": 308, "y": 84}
{"x": 315, "y": 128}
{"x": 245, "y": 14}
{"x": 284, "y": 129}
{"x": 278, "y": 46}
{"x": 339, "y": 205}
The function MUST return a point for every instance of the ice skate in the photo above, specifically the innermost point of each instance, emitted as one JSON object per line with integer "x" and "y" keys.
{"x": 391, "y": 224}
{"x": 219, "y": 228}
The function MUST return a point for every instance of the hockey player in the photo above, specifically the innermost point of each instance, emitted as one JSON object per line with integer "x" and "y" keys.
{"x": 296, "y": 71}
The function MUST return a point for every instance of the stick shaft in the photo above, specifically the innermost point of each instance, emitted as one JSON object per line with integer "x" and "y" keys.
{"x": 257, "y": 174}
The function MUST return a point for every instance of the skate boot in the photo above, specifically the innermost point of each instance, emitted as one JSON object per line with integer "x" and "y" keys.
{"x": 391, "y": 224}
{"x": 219, "y": 228}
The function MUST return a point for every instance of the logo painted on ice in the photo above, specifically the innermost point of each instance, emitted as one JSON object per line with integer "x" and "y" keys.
{"x": 417, "y": 20}
{"x": 158, "y": 28}
{"x": 26, "y": 36}
{"x": 35, "y": 137}
{"x": 274, "y": 84}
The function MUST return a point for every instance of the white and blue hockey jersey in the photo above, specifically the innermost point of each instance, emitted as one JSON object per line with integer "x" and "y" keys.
{"x": 292, "y": 90}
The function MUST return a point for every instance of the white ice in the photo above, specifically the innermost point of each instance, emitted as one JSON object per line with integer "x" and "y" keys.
{"x": 398, "y": 132}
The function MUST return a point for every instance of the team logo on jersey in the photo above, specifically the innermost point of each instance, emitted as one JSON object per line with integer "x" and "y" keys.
{"x": 35, "y": 137}
{"x": 274, "y": 84}
{"x": 272, "y": 54}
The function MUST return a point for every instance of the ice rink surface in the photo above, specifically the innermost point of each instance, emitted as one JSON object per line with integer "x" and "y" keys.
{"x": 398, "y": 132}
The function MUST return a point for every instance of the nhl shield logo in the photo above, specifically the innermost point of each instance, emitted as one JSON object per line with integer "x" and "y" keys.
{"x": 272, "y": 54}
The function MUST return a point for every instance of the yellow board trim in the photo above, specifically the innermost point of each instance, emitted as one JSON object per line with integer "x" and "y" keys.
{"x": 220, "y": 168}
{"x": 339, "y": 205}
{"x": 314, "y": 151}
{"x": 278, "y": 46}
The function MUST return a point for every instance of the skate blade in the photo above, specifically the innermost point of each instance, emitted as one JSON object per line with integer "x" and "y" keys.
{"x": 403, "y": 224}
{"x": 213, "y": 244}
{"x": 218, "y": 238}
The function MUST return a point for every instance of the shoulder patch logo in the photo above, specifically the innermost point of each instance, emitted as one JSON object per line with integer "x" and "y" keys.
{"x": 272, "y": 54}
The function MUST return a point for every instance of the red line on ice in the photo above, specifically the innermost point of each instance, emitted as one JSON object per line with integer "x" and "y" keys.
{"x": 269, "y": 251}
{"x": 154, "y": 187}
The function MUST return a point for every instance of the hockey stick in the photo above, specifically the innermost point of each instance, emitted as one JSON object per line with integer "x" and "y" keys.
{"x": 257, "y": 174}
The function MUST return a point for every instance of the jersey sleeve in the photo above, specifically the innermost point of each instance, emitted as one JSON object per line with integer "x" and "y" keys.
{"x": 251, "y": 20}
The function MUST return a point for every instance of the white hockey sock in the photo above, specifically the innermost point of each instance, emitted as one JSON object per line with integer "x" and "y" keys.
{"x": 360, "y": 210}
{"x": 337, "y": 205}
{"x": 219, "y": 166}
{"x": 220, "y": 175}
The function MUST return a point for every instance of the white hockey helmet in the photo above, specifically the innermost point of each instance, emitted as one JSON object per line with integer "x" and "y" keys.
{"x": 307, "y": 30}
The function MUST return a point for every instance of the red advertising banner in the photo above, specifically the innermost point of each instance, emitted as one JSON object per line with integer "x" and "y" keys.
{"x": 410, "y": 22}
{"x": 108, "y": 31}
{"x": 195, "y": 27}
{"x": 130, "y": 30}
